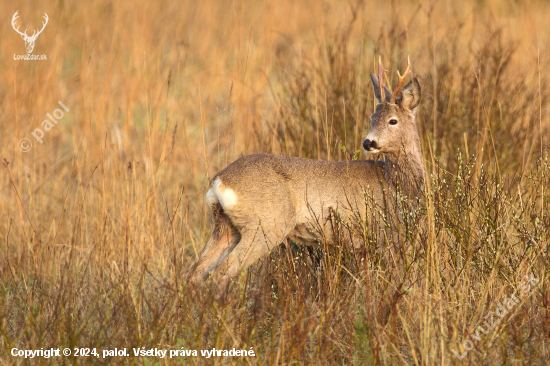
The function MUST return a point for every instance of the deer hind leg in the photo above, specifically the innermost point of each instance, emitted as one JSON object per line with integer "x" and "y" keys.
{"x": 255, "y": 244}
{"x": 224, "y": 238}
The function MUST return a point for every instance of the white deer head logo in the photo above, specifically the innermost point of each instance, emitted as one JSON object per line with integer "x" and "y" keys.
{"x": 29, "y": 41}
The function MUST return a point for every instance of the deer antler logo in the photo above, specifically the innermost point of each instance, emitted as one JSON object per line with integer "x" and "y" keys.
{"x": 29, "y": 41}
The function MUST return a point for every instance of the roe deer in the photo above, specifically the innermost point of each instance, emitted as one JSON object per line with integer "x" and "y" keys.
{"x": 259, "y": 200}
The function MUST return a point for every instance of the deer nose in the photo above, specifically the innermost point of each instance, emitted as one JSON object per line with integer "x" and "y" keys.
{"x": 369, "y": 144}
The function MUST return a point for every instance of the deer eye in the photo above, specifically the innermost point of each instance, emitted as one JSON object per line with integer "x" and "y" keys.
{"x": 393, "y": 122}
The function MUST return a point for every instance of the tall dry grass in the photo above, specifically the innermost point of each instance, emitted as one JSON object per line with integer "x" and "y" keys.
{"x": 99, "y": 223}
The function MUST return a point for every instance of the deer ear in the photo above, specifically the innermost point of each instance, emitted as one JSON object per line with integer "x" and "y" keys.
{"x": 376, "y": 87}
{"x": 410, "y": 96}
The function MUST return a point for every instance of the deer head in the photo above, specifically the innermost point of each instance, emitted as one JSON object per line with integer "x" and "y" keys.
{"x": 393, "y": 124}
{"x": 29, "y": 41}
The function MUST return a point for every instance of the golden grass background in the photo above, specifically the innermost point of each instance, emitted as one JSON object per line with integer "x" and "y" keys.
{"x": 99, "y": 223}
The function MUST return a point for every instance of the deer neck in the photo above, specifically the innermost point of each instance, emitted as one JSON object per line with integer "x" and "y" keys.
{"x": 406, "y": 169}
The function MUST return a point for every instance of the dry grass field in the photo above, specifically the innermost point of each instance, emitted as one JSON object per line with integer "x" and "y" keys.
{"x": 100, "y": 221}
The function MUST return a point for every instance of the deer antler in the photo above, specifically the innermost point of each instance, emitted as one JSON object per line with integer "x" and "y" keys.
{"x": 34, "y": 35}
{"x": 401, "y": 79}
{"x": 13, "y": 19}
{"x": 381, "y": 72}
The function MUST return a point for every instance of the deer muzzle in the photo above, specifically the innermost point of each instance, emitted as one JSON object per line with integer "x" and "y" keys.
{"x": 370, "y": 145}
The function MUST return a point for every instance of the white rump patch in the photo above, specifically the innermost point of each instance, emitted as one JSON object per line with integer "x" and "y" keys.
{"x": 225, "y": 196}
{"x": 211, "y": 197}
